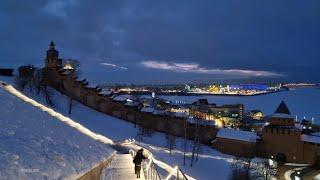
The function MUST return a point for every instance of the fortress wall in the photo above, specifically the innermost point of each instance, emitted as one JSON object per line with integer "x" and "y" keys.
{"x": 67, "y": 84}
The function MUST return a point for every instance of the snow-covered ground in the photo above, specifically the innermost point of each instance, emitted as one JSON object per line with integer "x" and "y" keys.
{"x": 119, "y": 130}
{"x": 211, "y": 164}
{"x": 35, "y": 145}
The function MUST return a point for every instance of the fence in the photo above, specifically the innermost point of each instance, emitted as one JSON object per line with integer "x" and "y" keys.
{"x": 151, "y": 172}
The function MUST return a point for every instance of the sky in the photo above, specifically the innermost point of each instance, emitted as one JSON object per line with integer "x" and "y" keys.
{"x": 168, "y": 41}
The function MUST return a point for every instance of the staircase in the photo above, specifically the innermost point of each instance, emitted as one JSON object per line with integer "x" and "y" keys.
{"x": 120, "y": 168}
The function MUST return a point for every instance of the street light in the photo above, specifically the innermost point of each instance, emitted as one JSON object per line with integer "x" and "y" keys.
{"x": 297, "y": 176}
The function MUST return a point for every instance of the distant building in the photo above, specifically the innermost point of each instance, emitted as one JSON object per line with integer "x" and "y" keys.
{"x": 258, "y": 87}
{"x": 225, "y": 115}
{"x": 282, "y": 139}
{"x": 235, "y": 142}
{"x": 53, "y": 60}
{"x": 256, "y": 114}
{"x": 6, "y": 72}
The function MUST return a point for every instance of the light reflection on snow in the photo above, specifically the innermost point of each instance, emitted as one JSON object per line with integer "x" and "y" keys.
{"x": 59, "y": 116}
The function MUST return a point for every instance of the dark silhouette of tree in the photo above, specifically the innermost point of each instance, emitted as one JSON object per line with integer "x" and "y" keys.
{"x": 34, "y": 78}
{"x": 170, "y": 138}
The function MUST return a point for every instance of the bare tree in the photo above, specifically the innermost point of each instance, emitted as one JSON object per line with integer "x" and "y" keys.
{"x": 170, "y": 138}
{"x": 264, "y": 170}
{"x": 196, "y": 141}
{"x": 25, "y": 78}
{"x": 70, "y": 104}
{"x": 21, "y": 83}
{"x": 34, "y": 78}
{"x": 143, "y": 132}
{"x": 171, "y": 142}
{"x": 238, "y": 171}
{"x": 38, "y": 80}
{"x": 185, "y": 141}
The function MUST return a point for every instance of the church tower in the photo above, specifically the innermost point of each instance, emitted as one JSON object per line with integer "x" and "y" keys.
{"x": 52, "y": 60}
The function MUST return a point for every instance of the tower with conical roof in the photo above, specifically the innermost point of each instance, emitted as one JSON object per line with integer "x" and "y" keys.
{"x": 281, "y": 138}
{"x": 52, "y": 60}
{"x": 282, "y": 116}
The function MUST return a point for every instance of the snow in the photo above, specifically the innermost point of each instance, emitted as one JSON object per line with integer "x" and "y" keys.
{"x": 118, "y": 130}
{"x": 159, "y": 112}
{"x": 120, "y": 168}
{"x": 316, "y": 134}
{"x": 36, "y": 145}
{"x": 66, "y": 72}
{"x": 298, "y": 126}
{"x": 202, "y": 122}
{"x": 120, "y": 98}
{"x": 312, "y": 139}
{"x": 237, "y": 135}
{"x": 105, "y": 92}
{"x": 92, "y": 85}
{"x": 282, "y": 115}
{"x": 180, "y": 114}
{"x": 147, "y": 109}
{"x": 131, "y": 103}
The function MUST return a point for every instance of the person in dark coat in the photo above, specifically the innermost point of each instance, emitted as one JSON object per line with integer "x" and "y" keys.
{"x": 137, "y": 162}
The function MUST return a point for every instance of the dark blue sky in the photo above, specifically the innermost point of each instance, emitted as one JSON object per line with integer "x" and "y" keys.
{"x": 168, "y": 41}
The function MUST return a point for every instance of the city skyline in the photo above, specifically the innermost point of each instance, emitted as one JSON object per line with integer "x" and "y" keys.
{"x": 168, "y": 42}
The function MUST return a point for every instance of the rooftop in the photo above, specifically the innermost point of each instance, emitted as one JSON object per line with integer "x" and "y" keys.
{"x": 147, "y": 109}
{"x": 310, "y": 138}
{"x": 282, "y": 109}
{"x": 227, "y": 133}
{"x": 105, "y": 92}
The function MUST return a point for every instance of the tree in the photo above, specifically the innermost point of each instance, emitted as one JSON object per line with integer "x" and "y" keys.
{"x": 185, "y": 141}
{"x": 238, "y": 171}
{"x": 196, "y": 145}
{"x": 265, "y": 170}
{"x": 196, "y": 141}
{"x": 34, "y": 78}
{"x": 171, "y": 142}
{"x": 143, "y": 132}
{"x": 170, "y": 138}
{"x": 74, "y": 66}
{"x": 70, "y": 104}
{"x": 25, "y": 78}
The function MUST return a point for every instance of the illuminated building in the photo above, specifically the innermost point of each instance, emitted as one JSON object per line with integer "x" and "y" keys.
{"x": 256, "y": 114}
{"x": 225, "y": 115}
{"x": 214, "y": 89}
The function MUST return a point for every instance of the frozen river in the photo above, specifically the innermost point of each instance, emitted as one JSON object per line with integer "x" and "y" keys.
{"x": 301, "y": 102}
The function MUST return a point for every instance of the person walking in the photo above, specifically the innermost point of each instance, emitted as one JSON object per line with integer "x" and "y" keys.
{"x": 137, "y": 162}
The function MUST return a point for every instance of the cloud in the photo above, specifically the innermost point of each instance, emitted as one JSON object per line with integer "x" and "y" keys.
{"x": 114, "y": 65}
{"x": 196, "y": 68}
{"x": 58, "y": 7}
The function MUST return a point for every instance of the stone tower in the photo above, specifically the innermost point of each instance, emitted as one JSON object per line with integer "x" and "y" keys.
{"x": 281, "y": 138}
{"x": 52, "y": 60}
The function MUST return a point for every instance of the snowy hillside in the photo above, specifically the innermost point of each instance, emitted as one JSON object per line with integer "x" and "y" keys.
{"x": 118, "y": 130}
{"x": 35, "y": 145}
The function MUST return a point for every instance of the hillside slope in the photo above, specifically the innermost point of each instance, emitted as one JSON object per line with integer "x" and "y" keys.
{"x": 35, "y": 145}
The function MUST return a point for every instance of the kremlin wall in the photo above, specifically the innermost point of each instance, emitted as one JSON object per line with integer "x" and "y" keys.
{"x": 281, "y": 139}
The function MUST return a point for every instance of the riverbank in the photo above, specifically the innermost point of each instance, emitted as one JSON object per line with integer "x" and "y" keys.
{"x": 192, "y": 93}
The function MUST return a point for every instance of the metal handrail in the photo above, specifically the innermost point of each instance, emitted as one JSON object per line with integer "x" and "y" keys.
{"x": 151, "y": 172}
{"x": 184, "y": 177}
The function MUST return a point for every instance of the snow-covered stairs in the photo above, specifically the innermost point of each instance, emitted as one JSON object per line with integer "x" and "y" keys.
{"x": 121, "y": 168}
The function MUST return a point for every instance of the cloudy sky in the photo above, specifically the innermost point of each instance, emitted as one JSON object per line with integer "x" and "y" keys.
{"x": 168, "y": 41}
